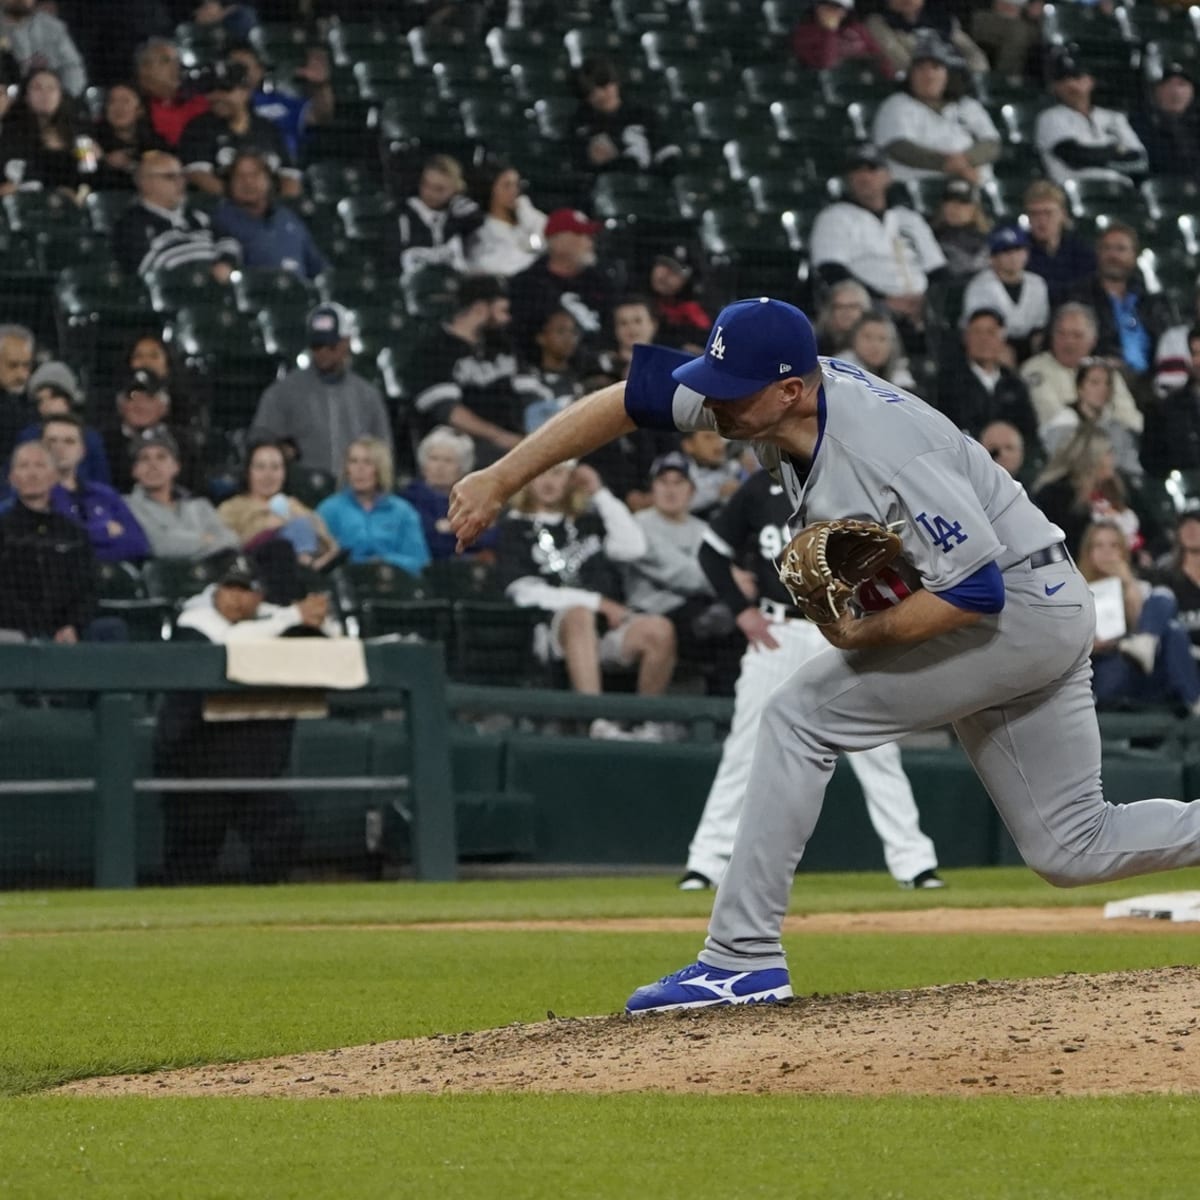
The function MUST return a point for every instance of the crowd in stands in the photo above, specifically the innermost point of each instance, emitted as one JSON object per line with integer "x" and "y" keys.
{"x": 364, "y": 248}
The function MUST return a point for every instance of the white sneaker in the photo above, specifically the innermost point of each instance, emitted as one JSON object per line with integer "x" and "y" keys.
{"x": 602, "y": 729}
{"x": 657, "y": 731}
{"x": 1142, "y": 648}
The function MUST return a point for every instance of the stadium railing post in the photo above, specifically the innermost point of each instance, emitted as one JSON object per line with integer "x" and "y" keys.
{"x": 116, "y": 840}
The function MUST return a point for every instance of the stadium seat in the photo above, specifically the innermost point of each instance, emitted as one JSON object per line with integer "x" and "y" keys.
{"x": 1115, "y": 197}
{"x": 174, "y": 580}
{"x": 310, "y": 485}
{"x": 595, "y": 41}
{"x": 1016, "y": 120}
{"x": 696, "y": 191}
{"x": 663, "y": 47}
{"x": 333, "y": 181}
{"x": 255, "y": 287}
{"x": 1170, "y": 27}
{"x": 104, "y": 209}
{"x": 1004, "y": 197}
{"x": 850, "y": 82}
{"x": 429, "y": 620}
{"x": 430, "y": 292}
{"x": 32, "y": 212}
{"x": 781, "y": 16}
{"x": 122, "y": 592}
{"x": 508, "y": 47}
{"x": 689, "y": 82}
{"x": 634, "y": 17}
{"x": 60, "y": 248}
{"x": 381, "y": 79}
{"x": 367, "y": 218}
{"x": 722, "y": 120}
{"x": 98, "y": 310}
{"x": 493, "y": 643}
{"x": 641, "y": 199}
{"x": 554, "y": 116}
{"x": 815, "y": 125}
{"x": 761, "y": 253}
{"x": 1168, "y": 196}
{"x": 357, "y": 284}
{"x": 353, "y": 42}
{"x": 283, "y": 331}
{"x": 446, "y": 43}
{"x": 492, "y": 120}
{"x": 536, "y": 78}
{"x": 781, "y": 81}
{"x": 462, "y": 579}
{"x": 1085, "y": 27}
{"x": 192, "y": 284}
{"x": 457, "y": 81}
{"x": 783, "y": 191}
{"x": 764, "y": 154}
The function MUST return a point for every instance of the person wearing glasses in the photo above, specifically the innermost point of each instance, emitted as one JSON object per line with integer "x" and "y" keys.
{"x": 160, "y": 230}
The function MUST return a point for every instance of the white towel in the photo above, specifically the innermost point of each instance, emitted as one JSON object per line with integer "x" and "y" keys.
{"x": 298, "y": 662}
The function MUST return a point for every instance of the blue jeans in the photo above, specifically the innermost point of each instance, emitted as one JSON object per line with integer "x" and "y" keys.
{"x": 1175, "y": 676}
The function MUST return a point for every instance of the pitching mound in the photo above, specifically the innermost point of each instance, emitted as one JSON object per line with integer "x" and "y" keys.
{"x": 1123, "y": 1032}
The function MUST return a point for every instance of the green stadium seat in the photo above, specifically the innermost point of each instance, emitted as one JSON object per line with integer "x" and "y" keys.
{"x": 98, "y": 310}
{"x": 419, "y": 119}
{"x": 367, "y": 218}
{"x": 1017, "y": 119}
{"x": 122, "y": 592}
{"x": 19, "y": 258}
{"x": 492, "y": 120}
{"x": 493, "y": 643}
{"x": 762, "y": 252}
{"x": 329, "y": 182}
{"x": 781, "y": 16}
{"x": 818, "y": 126}
{"x": 696, "y": 191}
{"x": 593, "y": 42}
{"x": 192, "y": 284}
{"x": 61, "y": 248}
{"x": 1083, "y": 26}
{"x": 381, "y": 79}
{"x": 1169, "y": 196}
{"x": 849, "y": 82}
{"x": 457, "y": 81}
{"x": 283, "y": 330}
{"x": 765, "y": 82}
{"x": 511, "y": 46}
{"x": 634, "y": 17}
{"x": 351, "y": 137}
{"x": 1005, "y": 197}
{"x": 174, "y": 580}
{"x": 258, "y": 286}
{"x": 763, "y": 155}
{"x": 271, "y": 38}
{"x": 534, "y": 79}
{"x": 353, "y": 42}
{"x": 783, "y": 191}
{"x": 925, "y": 195}
{"x": 104, "y": 209}
{"x": 1092, "y": 197}
{"x": 1153, "y": 23}
{"x": 430, "y": 292}
{"x": 446, "y": 44}
{"x": 663, "y": 47}
{"x": 429, "y": 620}
{"x": 354, "y": 286}
{"x": 310, "y": 485}
{"x": 462, "y": 579}
{"x": 32, "y": 212}
{"x": 638, "y": 198}
{"x": 722, "y": 120}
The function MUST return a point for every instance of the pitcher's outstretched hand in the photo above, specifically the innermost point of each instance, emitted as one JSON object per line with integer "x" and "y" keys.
{"x": 475, "y": 502}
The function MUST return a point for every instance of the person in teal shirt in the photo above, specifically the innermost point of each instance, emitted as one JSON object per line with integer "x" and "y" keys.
{"x": 366, "y": 517}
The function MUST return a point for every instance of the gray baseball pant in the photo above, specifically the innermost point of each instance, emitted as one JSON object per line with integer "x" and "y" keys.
{"x": 1017, "y": 690}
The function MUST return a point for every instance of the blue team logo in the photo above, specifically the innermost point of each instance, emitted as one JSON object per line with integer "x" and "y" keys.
{"x": 942, "y": 531}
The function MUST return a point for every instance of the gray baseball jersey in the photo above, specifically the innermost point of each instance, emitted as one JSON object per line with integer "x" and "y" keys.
{"x": 1099, "y": 127}
{"x": 1015, "y": 685}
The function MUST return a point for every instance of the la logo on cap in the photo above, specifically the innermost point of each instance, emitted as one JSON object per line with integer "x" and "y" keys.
{"x": 717, "y": 349}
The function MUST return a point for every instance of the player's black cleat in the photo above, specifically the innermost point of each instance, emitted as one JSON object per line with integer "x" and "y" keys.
{"x": 924, "y": 881}
{"x": 693, "y": 881}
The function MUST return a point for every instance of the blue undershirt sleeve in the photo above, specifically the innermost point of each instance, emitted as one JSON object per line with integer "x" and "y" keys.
{"x": 981, "y": 592}
{"x": 649, "y": 389}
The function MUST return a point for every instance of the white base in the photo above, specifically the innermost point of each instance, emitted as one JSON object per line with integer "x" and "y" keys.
{"x": 1166, "y": 906}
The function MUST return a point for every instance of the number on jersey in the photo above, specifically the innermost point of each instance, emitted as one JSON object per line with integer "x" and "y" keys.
{"x": 941, "y": 531}
{"x": 874, "y": 386}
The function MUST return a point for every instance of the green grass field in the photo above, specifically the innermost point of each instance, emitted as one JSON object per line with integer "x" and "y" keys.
{"x": 95, "y": 983}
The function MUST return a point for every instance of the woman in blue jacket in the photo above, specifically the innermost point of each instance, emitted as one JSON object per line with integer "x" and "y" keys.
{"x": 366, "y": 518}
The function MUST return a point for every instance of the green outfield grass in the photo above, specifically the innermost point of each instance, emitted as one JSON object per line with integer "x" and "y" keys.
{"x": 117, "y": 982}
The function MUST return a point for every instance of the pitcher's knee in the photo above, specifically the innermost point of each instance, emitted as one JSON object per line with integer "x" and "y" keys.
{"x": 1062, "y": 873}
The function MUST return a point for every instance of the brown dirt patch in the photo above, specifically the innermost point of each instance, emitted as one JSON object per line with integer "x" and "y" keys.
{"x": 1136, "y": 1031}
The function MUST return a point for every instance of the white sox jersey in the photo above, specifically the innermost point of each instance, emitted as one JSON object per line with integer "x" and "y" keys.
{"x": 953, "y": 129}
{"x": 882, "y": 455}
{"x": 893, "y": 253}
{"x": 1024, "y": 314}
{"x": 1100, "y": 127}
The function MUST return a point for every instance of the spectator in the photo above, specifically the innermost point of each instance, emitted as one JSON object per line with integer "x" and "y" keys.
{"x": 553, "y": 373}
{"x": 1007, "y": 287}
{"x": 465, "y": 374}
{"x": 234, "y": 20}
{"x": 112, "y": 529}
{"x": 1169, "y": 125}
{"x": 160, "y": 79}
{"x": 510, "y": 238}
{"x": 324, "y": 407}
{"x": 1172, "y": 356}
{"x": 1093, "y": 407}
{"x": 886, "y": 247}
{"x": 977, "y": 387}
{"x": 292, "y": 115}
{"x": 927, "y": 130}
{"x": 1130, "y": 320}
{"x": 612, "y": 135}
{"x": 961, "y": 228}
{"x": 367, "y": 518}
{"x": 42, "y": 144}
{"x": 566, "y": 276}
{"x": 668, "y": 579}
{"x": 16, "y": 366}
{"x": 1080, "y": 140}
{"x": 444, "y": 456}
{"x": 39, "y": 40}
{"x": 262, "y": 511}
{"x": 1050, "y": 376}
{"x": 1081, "y": 484}
{"x": 143, "y": 411}
{"x": 55, "y": 391}
{"x": 436, "y": 224}
{"x": 1171, "y": 438}
{"x": 195, "y": 824}
{"x": 188, "y": 395}
{"x": 830, "y": 34}
{"x": 714, "y": 476}
{"x": 159, "y": 232}
{"x": 123, "y": 135}
{"x": 1006, "y": 446}
{"x": 633, "y": 324}
{"x": 1183, "y": 576}
{"x": 1059, "y": 256}
{"x": 563, "y": 534}
{"x": 177, "y": 525}
{"x": 682, "y": 321}
{"x": 901, "y": 22}
{"x": 845, "y": 304}
{"x": 270, "y": 234}
{"x": 47, "y": 560}
{"x": 1147, "y": 656}
{"x": 1009, "y": 32}
{"x": 212, "y": 140}
{"x": 875, "y": 346}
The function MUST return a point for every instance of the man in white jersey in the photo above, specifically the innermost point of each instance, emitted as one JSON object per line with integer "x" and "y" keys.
{"x": 995, "y": 637}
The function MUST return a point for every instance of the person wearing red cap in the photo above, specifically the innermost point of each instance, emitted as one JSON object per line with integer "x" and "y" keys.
{"x": 566, "y": 277}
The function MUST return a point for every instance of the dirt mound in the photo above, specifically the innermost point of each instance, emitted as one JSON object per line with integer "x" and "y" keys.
{"x": 1135, "y": 1031}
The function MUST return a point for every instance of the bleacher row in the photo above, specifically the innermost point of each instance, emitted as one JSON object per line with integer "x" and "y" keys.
{"x": 455, "y": 602}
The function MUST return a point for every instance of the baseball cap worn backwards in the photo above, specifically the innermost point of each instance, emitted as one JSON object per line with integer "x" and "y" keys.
{"x": 752, "y": 343}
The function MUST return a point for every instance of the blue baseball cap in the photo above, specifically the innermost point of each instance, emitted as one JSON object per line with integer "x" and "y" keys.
{"x": 752, "y": 343}
{"x": 1007, "y": 237}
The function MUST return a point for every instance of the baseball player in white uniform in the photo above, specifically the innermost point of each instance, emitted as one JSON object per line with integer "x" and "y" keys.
{"x": 995, "y": 641}
{"x": 753, "y": 527}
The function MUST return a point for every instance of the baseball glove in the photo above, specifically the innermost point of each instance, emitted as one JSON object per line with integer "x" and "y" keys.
{"x": 825, "y": 562}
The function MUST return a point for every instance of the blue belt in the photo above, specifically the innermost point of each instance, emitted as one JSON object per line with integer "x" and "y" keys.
{"x": 1051, "y": 554}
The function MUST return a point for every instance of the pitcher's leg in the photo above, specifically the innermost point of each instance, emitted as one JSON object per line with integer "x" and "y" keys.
{"x": 893, "y": 811}
{"x": 1039, "y": 758}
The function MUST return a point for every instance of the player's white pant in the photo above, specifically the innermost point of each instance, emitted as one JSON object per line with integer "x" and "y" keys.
{"x": 890, "y": 805}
